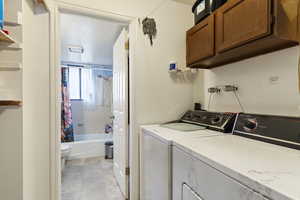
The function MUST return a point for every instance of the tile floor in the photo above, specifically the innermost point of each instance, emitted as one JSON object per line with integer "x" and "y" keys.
{"x": 90, "y": 179}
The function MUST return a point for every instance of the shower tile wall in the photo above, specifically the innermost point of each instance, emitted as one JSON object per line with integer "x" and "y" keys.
{"x": 91, "y": 118}
{"x": 89, "y": 121}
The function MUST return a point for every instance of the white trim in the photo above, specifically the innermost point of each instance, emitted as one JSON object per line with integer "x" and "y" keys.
{"x": 55, "y": 126}
{"x": 72, "y": 8}
{"x": 55, "y": 162}
{"x": 134, "y": 139}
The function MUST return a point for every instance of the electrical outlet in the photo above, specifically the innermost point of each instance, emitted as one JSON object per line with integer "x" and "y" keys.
{"x": 274, "y": 80}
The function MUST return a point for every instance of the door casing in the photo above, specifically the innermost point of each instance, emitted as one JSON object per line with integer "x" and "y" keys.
{"x": 55, "y": 8}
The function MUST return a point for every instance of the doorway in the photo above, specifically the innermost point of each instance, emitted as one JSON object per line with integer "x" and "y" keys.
{"x": 94, "y": 108}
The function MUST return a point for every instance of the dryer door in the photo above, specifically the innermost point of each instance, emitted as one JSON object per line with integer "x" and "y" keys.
{"x": 189, "y": 194}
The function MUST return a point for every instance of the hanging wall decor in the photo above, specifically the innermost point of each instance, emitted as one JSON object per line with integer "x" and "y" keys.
{"x": 149, "y": 28}
{"x": 40, "y": 6}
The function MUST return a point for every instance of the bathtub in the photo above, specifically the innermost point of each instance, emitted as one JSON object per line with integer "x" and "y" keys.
{"x": 89, "y": 145}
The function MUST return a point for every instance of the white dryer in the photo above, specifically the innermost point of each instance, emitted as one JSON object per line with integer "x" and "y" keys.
{"x": 156, "y": 148}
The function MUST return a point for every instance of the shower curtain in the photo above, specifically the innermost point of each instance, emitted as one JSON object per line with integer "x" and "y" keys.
{"x": 103, "y": 87}
{"x": 67, "y": 132}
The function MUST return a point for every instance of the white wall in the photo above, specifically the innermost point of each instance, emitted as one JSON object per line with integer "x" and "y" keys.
{"x": 162, "y": 96}
{"x": 11, "y": 117}
{"x": 93, "y": 119}
{"x": 36, "y": 120}
{"x": 257, "y": 93}
{"x": 157, "y": 95}
{"x": 11, "y": 154}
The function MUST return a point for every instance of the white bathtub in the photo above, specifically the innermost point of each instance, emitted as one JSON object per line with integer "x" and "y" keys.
{"x": 89, "y": 145}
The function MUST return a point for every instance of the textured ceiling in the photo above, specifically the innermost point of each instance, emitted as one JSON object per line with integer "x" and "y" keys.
{"x": 96, "y": 36}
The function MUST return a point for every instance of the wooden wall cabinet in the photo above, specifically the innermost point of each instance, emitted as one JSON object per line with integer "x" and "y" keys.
{"x": 244, "y": 29}
{"x": 200, "y": 40}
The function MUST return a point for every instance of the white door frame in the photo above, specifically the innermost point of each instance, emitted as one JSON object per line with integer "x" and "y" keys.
{"x": 55, "y": 93}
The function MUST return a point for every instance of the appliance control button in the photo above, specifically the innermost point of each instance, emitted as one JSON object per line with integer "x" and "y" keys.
{"x": 216, "y": 119}
{"x": 189, "y": 116}
{"x": 204, "y": 117}
{"x": 250, "y": 124}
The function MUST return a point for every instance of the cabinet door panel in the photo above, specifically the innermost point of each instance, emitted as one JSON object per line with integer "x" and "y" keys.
{"x": 201, "y": 41}
{"x": 242, "y": 21}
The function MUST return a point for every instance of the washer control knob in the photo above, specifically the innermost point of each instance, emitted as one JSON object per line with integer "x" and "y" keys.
{"x": 250, "y": 125}
{"x": 217, "y": 119}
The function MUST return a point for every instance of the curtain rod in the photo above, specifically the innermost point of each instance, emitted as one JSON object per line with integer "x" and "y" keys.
{"x": 91, "y": 65}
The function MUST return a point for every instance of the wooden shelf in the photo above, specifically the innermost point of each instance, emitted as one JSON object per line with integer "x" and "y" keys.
{"x": 10, "y": 66}
{"x": 10, "y": 103}
{"x": 6, "y": 38}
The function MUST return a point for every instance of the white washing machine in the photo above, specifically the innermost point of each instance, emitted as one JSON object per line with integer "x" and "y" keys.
{"x": 156, "y": 149}
{"x": 232, "y": 167}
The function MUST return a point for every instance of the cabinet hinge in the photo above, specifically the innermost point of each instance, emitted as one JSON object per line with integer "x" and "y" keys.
{"x": 127, "y": 171}
{"x": 273, "y": 19}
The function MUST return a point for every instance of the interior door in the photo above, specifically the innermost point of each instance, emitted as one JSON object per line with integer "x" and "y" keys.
{"x": 120, "y": 110}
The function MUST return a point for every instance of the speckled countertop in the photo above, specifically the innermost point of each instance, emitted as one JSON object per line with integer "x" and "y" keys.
{"x": 271, "y": 170}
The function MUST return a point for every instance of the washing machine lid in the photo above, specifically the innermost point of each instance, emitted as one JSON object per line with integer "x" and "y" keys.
{"x": 185, "y": 127}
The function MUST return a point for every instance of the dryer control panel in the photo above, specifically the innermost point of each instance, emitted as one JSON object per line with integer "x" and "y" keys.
{"x": 280, "y": 130}
{"x": 213, "y": 120}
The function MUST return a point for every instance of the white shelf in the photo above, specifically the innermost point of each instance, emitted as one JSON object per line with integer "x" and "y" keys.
{"x": 11, "y": 46}
{"x": 11, "y": 23}
{"x": 9, "y": 66}
{"x": 183, "y": 70}
{"x": 175, "y": 71}
{"x": 14, "y": 20}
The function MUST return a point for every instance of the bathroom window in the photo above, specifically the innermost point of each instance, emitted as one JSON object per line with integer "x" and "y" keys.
{"x": 80, "y": 83}
{"x": 75, "y": 83}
